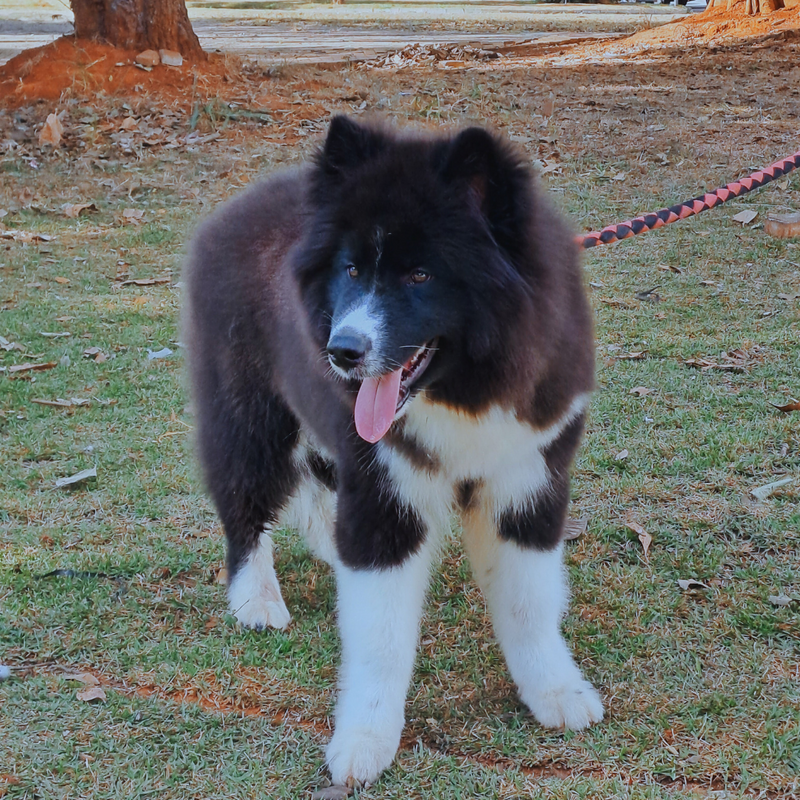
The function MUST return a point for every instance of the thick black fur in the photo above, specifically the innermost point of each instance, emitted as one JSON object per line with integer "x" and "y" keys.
{"x": 269, "y": 271}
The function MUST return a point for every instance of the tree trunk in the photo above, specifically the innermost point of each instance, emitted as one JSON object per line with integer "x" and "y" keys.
{"x": 137, "y": 24}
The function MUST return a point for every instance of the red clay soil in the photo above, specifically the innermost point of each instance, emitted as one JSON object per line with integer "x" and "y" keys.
{"x": 72, "y": 68}
{"x": 714, "y": 26}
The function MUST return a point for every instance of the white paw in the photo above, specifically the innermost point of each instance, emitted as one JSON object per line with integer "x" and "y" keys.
{"x": 360, "y": 755}
{"x": 574, "y": 705}
{"x": 260, "y": 613}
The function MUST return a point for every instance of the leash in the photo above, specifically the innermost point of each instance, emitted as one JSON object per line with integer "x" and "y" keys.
{"x": 657, "y": 219}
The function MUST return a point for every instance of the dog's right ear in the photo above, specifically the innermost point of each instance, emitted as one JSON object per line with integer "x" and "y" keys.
{"x": 348, "y": 145}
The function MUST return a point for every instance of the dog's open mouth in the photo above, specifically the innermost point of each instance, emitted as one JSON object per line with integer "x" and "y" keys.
{"x": 380, "y": 399}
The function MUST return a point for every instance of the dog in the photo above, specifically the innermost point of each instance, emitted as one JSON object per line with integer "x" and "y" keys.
{"x": 391, "y": 334}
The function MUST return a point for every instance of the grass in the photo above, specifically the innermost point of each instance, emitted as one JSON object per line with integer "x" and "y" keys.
{"x": 701, "y": 686}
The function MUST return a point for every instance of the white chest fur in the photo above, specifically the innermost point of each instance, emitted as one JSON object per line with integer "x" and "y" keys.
{"x": 504, "y": 454}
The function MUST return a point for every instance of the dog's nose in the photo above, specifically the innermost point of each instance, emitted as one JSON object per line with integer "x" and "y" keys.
{"x": 348, "y": 349}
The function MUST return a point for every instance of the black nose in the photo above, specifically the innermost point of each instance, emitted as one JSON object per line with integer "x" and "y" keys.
{"x": 348, "y": 349}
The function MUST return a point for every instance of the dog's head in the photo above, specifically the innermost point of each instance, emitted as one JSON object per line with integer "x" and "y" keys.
{"x": 408, "y": 270}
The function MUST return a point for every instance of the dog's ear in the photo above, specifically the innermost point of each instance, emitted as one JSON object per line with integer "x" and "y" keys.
{"x": 470, "y": 158}
{"x": 347, "y": 145}
{"x": 496, "y": 179}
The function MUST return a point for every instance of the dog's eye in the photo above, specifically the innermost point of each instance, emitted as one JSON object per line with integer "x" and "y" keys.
{"x": 352, "y": 270}
{"x": 419, "y": 276}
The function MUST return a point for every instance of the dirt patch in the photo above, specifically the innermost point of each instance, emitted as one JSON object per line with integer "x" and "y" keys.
{"x": 68, "y": 68}
{"x": 714, "y": 27}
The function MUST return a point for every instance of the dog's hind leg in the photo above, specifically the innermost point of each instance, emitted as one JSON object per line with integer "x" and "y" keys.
{"x": 526, "y": 592}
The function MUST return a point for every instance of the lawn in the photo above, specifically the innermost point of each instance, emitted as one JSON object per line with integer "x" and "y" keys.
{"x": 113, "y": 582}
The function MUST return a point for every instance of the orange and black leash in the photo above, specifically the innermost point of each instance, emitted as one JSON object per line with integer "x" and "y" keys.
{"x": 657, "y": 219}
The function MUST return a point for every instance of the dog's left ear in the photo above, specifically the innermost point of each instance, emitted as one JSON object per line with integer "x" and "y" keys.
{"x": 496, "y": 178}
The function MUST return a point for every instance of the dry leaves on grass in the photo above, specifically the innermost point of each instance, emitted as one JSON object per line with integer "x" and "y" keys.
{"x": 761, "y": 493}
{"x": 86, "y": 678}
{"x": 145, "y": 281}
{"x": 739, "y": 360}
{"x": 780, "y": 600}
{"x": 96, "y": 354}
{"x": 745, "y": 217}
{"x": 26, "y": 236}
{"x": 78, "y": 477}
{"x": 60, "y": 402}
{"x": 789, "y": 407}
{"x": 641, "y": 391}
{"x": 29, "y": 367}
{"x": 692, "y": 585}
{"x": 644, "y": 537}
{"x": 575, "y": 528}
{"x": 93, "y": 693}
{"x": 51, "y": 131}
{"x": 7, "y": 346}
{"x": 73, "y": 210}
{"x": 131, "y": 216}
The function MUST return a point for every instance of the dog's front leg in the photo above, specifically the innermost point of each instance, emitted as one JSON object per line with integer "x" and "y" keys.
{"x": 379, "y": 608}
{"x": 526, "y": 591}
{"x": 379, "y": 613}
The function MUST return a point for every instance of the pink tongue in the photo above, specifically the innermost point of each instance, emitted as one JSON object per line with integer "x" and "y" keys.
{"x": 376, "y": 405}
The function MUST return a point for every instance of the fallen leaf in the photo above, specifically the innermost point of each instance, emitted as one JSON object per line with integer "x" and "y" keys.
{"x": 78, "y": 477}
{"x": 91, "y": 694}
{"x": 621, "y": 456}
{"x": 162, "y": 353}
{"x": 59, "y": 402}
{"x": 59, "y": 335}
{"x": 26, "y": 236}
{"x": 6, "y": 345}
{"x": 128, "y": 124}
{"x": 575, "y": 528}
{"x": 132, "y": 216}
{"x": 638, "y": 356}
{"x": 644, "y": 537}
{"x": 85, "y": 678}
{"x": 789, "y": 297}
{"x": 788, "y": 407}
{"x": 641, "y": 391}
{"x": 222, "y": 576}
{"x": 744, "y": 217}
{"x": 650, "y": 295}
{"x": 15, "y": 368}
{"x": 61, "y": 280}
{"x": 763, "y": 492}
{"x": 671, "y": 268}
{"x": 145, "y": 282}
{"x": 73, "y": 210}
{"x": 51, "y": 131}
{"x": 96, "y": 354}
{"x": 692, "y": 584}
{"x": 620, "y": 176}
{"x": 780, "y": 600}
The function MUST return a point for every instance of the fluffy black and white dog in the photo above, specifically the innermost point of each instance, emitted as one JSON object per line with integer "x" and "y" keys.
{"x": 390, "y": 335}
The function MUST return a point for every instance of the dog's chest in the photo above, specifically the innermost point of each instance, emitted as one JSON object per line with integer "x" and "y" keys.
{"x": 440, "y": 450}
